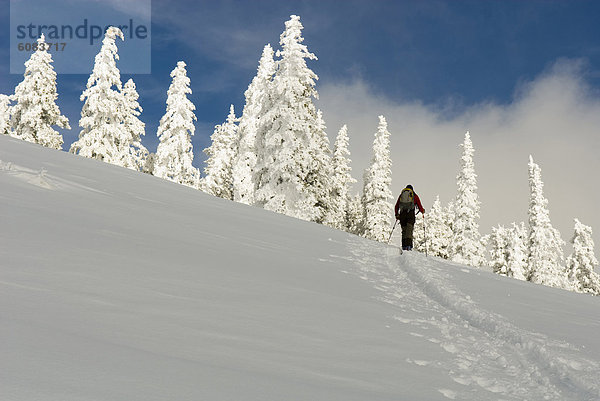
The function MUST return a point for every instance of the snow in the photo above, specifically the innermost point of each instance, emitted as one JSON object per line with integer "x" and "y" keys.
{"x": 116, "y": 285}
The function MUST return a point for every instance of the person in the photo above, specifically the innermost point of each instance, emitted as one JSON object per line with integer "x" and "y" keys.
{"x": 405, "y": 213}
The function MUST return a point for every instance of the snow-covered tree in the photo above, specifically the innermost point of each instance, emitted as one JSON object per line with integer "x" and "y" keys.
{"x": 355, "y": 215}
{"x": 35, "y": 110}
{"x": 466, "y": 246}
{"x": 109, "y": 114}
{"x": 320, "y": 171}
{"x": 174, "y": 155}
{"x": 4, "y": 114}
{"x": 135, "y": 158}
{"x": 499, "y": 250}
{"x": 517, "y": 251}
{"x": 284, "y": 159}
{"x": 377, "y": 193}
{"x": 545, "y": 253}
{"x": 218, "y": 173}
{"x": 421, "y": 241}
{"x": 438, "y": 231}
{"x": 148, "y": 167}
{"x": 341, "y": 182}
{"x": 581, "y": 263}
{"x": 257, "y": 101}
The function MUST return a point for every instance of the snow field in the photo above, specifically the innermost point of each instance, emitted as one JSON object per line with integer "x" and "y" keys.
{"x": 115, "y": 285}
{"x": 488, "y": 352}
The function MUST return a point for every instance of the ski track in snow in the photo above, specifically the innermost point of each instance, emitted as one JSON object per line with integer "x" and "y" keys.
{"x": 480, "y": 351}
{"x": 41, "y": 178}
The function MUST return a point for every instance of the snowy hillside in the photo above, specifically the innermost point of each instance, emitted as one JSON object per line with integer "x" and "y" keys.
{"x": 115, "y": 285}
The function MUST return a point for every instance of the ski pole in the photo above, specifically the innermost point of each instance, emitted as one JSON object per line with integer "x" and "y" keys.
{"x": 388, "y": 241}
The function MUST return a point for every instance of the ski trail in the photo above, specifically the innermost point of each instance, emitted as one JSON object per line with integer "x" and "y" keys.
{"x": 483, "y": 353}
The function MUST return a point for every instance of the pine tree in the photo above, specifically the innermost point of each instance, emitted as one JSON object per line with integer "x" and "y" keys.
{"x": 257, "y": 102}
{"x": 218, "y": 173}
{"x": 320, "y": 171}
{"x": 135, "y": 158}
{"x": 108, "y": 115}
{"x": 355, "y": 215}
{"x": 377, "y": 181}
{"x": 499, "y": 250}
{"x": 581, "y": 263}
{"x": 4, "y": 114}
{"x": 35, "y": 110}
{"x": 284, "y": 160}
{"x": 439, "y": 233}
{"x": 148, "y": 167}
{"x": 341, "y": 182}
{"x": 466, "y": 246}
{"x": 420, "y": 233}
{"x": 517, "y": 251}
{"x": 174, "y": 155}
{"x": 545, "y": 253}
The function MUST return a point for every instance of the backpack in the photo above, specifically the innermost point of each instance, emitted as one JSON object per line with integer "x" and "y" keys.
{"x": 406, "y": 200}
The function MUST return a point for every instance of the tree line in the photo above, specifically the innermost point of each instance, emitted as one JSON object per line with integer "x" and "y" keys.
{"x": 277, "y": 155}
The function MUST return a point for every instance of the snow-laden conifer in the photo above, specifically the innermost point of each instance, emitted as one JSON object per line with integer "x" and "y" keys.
{"x": 377, "y": 193}
{"x": 135, "y": 157}
{"x": 517, "y": 251}
{"x": 499, "y": 250}
{"x": 4, "y": 114}
{"x": 257, "y": 101}
{"x": 285, "y": 130}
{"x": 582, "y": 262}
{"x": 545, "y": 253}
{"x": 218, "y": 173}
{"x": 108, "y": 115}
{"x": 466, "y": 246}
{"x": 438, "y": 232}
{"x": 341, "y": 182}
{"x": 174, "y": 155}
{"x": 420, "y": 233}
{"x": 355, "y": 215}
{"x": 320, "y": 171}
{"x": 35, "y": 110}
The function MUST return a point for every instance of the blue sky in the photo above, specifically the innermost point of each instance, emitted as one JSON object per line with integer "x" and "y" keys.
{"x": 434, "y": 68}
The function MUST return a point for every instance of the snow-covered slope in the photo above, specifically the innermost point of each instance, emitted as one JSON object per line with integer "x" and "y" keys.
{"x": 115, "y": 285}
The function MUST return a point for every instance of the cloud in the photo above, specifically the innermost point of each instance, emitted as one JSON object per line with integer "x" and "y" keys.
{"x": 236, "y": 40}
{"x": 555, "y": 118}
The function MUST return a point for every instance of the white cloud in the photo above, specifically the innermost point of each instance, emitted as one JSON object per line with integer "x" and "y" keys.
{"x": 555, "y": 117}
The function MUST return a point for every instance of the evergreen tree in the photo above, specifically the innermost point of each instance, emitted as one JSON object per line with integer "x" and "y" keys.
{"x": 420, "y": 232}
{"x": 341, "y": 182}
{"x": 148, "y": 167}
{"x": 466, "y": 246}
{"x": 257, "y": 102}
{"x": 581, "y": 263}
{"x": 174, "y": 155}
{"x": 135, "y": 158}
{"x": 517, "y": 251}
{"x": 545, "y": 253}
{"x": 318, "y": 179}
{"x": 355, "y": 216}
{"x": 108, "y": 115}
{"x": 439, "y": 233}
{"x": 284, "y": 160}
{"x": 499, "y": 250}
{"x": 377, "y": 181}
{"x": 35, "y": 110}
{"x": 218, "y": 173}
{"x": 4, "y": 114}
